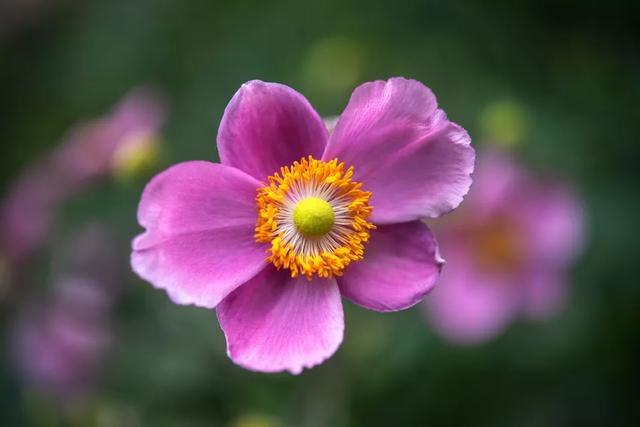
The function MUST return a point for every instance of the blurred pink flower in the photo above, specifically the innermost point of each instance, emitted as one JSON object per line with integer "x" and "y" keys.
{"x": 59, "y": 341}
{"x": 27, "y": 211}
{"x": 209, "y": 227}
{"x": 90, "y": 151}
{"x": 511, "y": 245}
{"x": 58, "y": 344}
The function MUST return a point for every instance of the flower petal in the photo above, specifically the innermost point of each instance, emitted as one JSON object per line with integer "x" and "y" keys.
{"x": 497, "y": 179}
{"x": 267, "y": 126}
{"x": 545, "y": 292}
{"x": 198, "y": 245}
{"x": 469, "y": 306}
{"x": 275, "y": 323}
{"x": 404, "y": 149}
{"x": 28, "y": 209}
{"x": 400, "y": 266}
{"x": 554, "y": 221}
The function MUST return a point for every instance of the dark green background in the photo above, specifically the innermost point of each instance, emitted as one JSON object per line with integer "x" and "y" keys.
{"x": 574, "y": 66}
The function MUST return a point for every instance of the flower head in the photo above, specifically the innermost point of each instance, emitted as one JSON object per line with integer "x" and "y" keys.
{"x": 511, "y": 246}
{"x": 294, "y": 218}
{"x": 59, "y": 340}
{"x": 117, "y": 143}
{"x": 110, "y": 144}
{"x": 314, "y": 217}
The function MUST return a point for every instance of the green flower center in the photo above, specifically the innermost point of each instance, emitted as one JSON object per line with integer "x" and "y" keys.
{"x": 313, "y": 217}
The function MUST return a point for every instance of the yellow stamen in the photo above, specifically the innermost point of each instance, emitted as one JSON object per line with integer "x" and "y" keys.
{"x": 496, "y": 246}
{"x": 315, "y": 218}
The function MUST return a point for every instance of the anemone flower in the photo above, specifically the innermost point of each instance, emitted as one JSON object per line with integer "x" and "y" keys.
{"x": 59, "y": 340}
{"x": 292, "y": 218}
{"x": 511, "y": 246}
{"x": 97, "y": 148}
{"x": 27, "y": 211}
{"x": 90, "y": 151}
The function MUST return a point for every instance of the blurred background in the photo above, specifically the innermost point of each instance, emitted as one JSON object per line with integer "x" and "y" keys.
{"x": 97, "y": 96}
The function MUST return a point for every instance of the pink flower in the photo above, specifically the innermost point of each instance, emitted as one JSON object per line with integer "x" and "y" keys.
{"x": 282, "y": 189}
{"x": 26, "y": 212}
{"x": 94, "y": 149}
{"x": 91, "y": 151}
{"x": 511, "y": 245}
{"x": 58, "y": 341}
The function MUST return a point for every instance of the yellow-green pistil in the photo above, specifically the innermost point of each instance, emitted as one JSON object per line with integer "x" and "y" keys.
{"x": 313, "y": 217}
